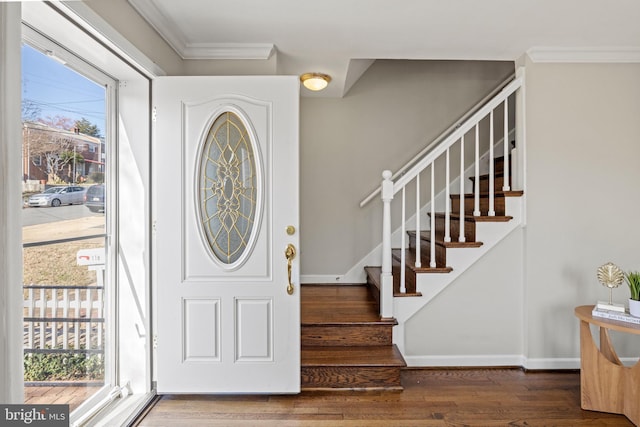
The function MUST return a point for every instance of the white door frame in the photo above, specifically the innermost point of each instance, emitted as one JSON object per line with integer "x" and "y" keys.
{"x": 11, "y": 369}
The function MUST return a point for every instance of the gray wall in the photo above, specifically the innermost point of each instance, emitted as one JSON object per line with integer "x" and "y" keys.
{"x": 478, "y": 319}
{"x": 582, "y": 194}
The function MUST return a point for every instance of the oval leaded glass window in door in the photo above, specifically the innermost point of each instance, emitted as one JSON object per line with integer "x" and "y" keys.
{"x": 228, "y": 189}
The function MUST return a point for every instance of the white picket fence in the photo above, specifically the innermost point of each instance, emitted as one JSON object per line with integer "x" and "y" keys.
{"x": 63, "y": 319}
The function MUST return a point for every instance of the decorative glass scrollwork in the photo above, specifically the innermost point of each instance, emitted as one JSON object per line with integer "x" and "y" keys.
{"x": 228, "y": 188}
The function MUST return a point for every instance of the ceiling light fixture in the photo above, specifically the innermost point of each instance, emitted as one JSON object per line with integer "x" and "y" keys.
{"x": 315, "y": 81}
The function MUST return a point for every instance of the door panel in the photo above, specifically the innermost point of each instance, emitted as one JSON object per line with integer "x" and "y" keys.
{"x": 226, "y": 190}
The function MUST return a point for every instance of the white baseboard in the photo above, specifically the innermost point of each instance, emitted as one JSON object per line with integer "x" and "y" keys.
{"x": 552, "y": 363}
{"x": 494, "y": 360}
{"x": 326, "y": 279}
{"x": 465, "y": 361}
{"x": 566, "y": 363}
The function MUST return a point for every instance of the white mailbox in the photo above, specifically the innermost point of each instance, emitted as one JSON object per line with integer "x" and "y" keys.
{"x": 93, "y": 256}
{"x": 95, "y": 260}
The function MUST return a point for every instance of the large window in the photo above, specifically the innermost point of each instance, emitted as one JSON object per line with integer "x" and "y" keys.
{"x": 64, "y": 217}
{"x": 87, "y": 259}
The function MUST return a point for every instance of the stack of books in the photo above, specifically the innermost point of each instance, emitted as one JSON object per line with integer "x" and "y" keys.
{"x": 615, "y": 315}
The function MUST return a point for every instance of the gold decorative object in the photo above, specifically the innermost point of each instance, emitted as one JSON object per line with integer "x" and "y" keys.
{"x": 611, "y": 276}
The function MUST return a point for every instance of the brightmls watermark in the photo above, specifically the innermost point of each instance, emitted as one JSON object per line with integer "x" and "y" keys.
{"x": 34, "y": 415}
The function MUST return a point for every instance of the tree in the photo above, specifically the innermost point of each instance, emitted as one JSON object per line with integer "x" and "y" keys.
{"x": 58, "y": 122}
{"x": 71, "y": 159}
{"x": 85, "y": 127}
{"x": 30, "y": 111}
{"x": 53, "y": 150}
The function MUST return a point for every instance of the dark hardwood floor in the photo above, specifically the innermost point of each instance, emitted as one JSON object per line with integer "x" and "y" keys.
{"x": 431, "y": 397}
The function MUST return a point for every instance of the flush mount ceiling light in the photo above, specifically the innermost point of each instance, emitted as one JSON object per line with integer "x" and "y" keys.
{"x": 315, "y": 81}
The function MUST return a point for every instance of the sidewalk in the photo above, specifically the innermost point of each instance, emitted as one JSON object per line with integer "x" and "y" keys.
{"x": 86, "y": 226}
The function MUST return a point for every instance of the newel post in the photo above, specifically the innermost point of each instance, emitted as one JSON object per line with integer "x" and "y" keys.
{"x": 386, "y": 278}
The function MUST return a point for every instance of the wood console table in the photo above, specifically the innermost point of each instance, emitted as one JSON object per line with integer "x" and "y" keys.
{"x": 605, "y": 384}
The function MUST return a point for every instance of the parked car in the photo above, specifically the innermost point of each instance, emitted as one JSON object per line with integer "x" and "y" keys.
{"x": 94, "y": 198}
{"x": 56, "y": 196}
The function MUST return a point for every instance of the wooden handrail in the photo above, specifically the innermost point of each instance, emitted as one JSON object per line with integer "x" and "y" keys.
{"x": 442, "y": 136}
{"x": 456, "y": 134}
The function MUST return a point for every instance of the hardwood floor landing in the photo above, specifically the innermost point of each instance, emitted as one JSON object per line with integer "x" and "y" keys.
{"x": 438, "y": 397}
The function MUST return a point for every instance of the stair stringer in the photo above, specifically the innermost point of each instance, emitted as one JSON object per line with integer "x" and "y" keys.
{"x": 460, "y": 259}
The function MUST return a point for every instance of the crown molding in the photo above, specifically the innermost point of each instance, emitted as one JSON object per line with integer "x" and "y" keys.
{"x": 585, "y": 55}
{"x": 178, "y": 41}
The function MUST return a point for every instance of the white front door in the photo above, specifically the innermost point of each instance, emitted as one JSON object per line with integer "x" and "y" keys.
{"x": 226, "y": 234}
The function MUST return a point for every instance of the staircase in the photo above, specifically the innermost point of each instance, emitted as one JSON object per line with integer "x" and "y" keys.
{"x": 441, "y": 246}
{"x": 345, "y": 344}
{"x": 353, "y": 336}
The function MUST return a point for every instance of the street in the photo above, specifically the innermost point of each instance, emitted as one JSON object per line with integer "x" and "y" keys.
{"x": 43, "y": 215}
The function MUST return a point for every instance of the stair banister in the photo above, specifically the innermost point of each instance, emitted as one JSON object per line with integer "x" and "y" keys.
{"x": 461, "y": 237}
{"x": 447, "y": 212}
{"x": 442, "y": 136}
{"x": 403, "y": 244}
{"x": 456, "y": 135}
{"x": 476, "y": 184}
{"x": 492, "y": 211}
{"x": 390, "y": 187}
{"x": 418, "y": 261}
{"x": 432, "y": 246}
{"x": 506, "y": 186}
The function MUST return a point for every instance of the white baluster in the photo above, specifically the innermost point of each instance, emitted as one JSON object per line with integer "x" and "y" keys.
{"x": 100, "y": 315}
{"x": 386, "y": 277}
{"x": 418, "y": 233}
{"x": 88, "y": 306}
{"x": 76, "y": 324}
{"x": 461, "y": 236}
{"x": 447, "y": 210}
{"x": 432, "y": 251}
{"x": 30, "y": 309}
{"x": 403, "y": 245}
{"x": 505, "y": 185}
{"x": 65, "y": 314}
{"x": 492, "y": 211}
{"x": 476, "y": 185}
{"x": 43, "y": 314}
{"x": 54, "y": 313}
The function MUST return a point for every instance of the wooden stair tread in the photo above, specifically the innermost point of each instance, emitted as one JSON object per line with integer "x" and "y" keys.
{"x": 473, "y": 218}
{"x": 410, "y": 259}
{"x": 425, "y": 235}
{"x": 373, "y": 273}
{"x": 345, "y": 356}
{"x": 497, "y": 193}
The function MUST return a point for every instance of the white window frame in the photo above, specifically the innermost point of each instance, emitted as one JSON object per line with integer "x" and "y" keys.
{"x": 11, "y": 365}
{"x": 46, "y": 46}
{"x": 81, "y": 31}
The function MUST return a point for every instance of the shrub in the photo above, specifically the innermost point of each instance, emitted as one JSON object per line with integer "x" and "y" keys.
{"x": 96, "y": 178}
{"x": 63, "y": 367}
